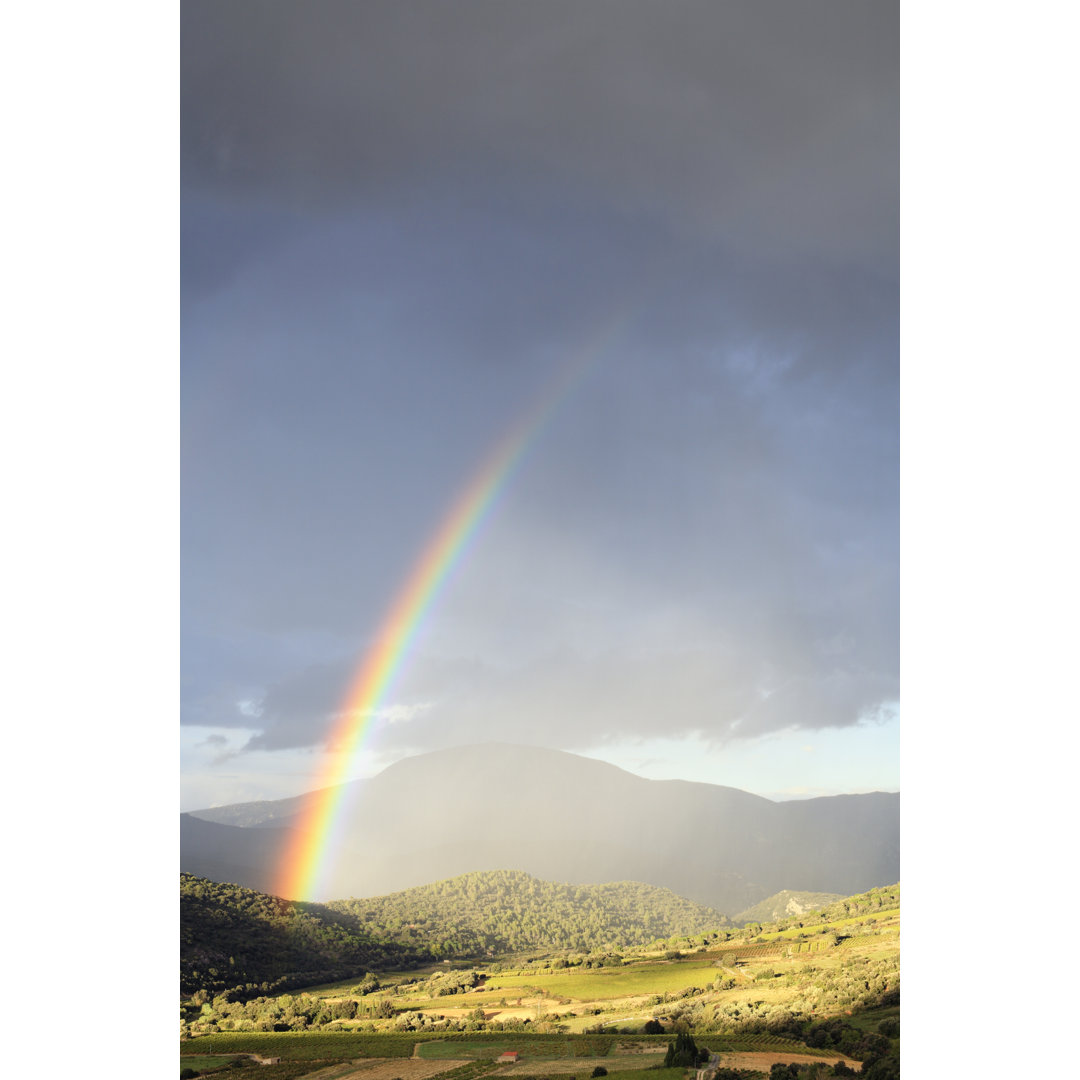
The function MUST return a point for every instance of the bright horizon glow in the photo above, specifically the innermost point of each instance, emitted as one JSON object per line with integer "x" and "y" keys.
{"x": 773, "y": 765}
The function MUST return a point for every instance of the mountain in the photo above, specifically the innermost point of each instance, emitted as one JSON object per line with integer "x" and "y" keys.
{"x": 562, "y": 817}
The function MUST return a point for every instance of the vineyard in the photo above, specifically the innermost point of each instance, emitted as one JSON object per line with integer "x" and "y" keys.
{"x": 341, "y": 1046}
{"x": 783, "y": 990}
{"x": 535, "y": 1046}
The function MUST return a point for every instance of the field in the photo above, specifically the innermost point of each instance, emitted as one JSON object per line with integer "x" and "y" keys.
{"x": 535, "y": 1047}
{"x": 353, "y": 1057}
{"x": 763, "y": 1060}
{"x": 752, "y": 1000}
{"x": 205, "y": 1062}
{"x": 657, "y": 977}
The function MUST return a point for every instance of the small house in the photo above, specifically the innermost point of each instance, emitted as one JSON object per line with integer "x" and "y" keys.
{"x": 509, "y": 1058}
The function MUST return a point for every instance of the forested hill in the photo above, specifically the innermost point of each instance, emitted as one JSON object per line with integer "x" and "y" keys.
{"x": 498, "y": 911}
{"x": 235, "y": 939}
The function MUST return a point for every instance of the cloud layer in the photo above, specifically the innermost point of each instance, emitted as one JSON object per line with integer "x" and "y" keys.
{"x": 398, "y": 222}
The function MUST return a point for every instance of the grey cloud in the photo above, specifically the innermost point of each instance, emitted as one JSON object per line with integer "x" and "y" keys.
{"x": 299, "y": 709}
{"x": 400, "y": 219}
{"x": 771, "y": 124}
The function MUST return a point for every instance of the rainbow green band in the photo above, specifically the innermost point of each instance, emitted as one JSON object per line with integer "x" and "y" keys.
{"x": 312, "y": 839}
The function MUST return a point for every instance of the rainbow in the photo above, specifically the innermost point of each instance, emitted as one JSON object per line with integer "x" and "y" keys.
{"x": 313, "y": 838}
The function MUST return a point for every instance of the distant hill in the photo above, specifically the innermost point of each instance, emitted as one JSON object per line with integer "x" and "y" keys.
{"x": 499, "y": 911}
{"x": 562, "y": 817}
{"x": 784, "y": 905}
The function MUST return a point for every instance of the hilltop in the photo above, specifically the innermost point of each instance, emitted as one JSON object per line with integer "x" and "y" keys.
{"x": 501, "y": 911}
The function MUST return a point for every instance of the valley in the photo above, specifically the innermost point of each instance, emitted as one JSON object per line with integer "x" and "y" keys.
{"x": 818, "y": 992}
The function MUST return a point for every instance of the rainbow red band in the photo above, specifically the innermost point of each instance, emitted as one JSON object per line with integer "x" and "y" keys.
{"x": 300, "y": 872}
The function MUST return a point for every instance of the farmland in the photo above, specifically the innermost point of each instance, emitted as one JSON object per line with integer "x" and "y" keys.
{"x": 359, "y": 1057}
{"x": 824, "y": 988}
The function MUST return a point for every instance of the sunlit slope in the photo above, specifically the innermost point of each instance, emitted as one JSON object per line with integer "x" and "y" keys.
{"x": 502, "y": 911}
{"x": 826, "y": 983}
{"x": 561, "y": 817}
{"x": 784, "y": 905}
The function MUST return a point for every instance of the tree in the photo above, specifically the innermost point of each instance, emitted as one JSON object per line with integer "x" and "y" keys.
{"x": 682, "y": 1053}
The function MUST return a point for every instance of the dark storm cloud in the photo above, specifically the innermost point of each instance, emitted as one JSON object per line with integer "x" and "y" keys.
{"x": 772, "y": 125}
{"x": 399, "y": 220}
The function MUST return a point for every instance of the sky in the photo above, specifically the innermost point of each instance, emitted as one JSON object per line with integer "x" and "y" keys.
{"x": 91, "y": 434}
{"x": 400, "y": 223}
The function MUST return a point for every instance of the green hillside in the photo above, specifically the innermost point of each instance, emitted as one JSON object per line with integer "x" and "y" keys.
{"x": 785, "y": 904}
{"x": 235, "y": 939}
{"x": 500, "y": 911}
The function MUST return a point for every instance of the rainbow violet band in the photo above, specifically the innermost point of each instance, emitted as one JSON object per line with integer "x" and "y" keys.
{"x": 313, "y": 839}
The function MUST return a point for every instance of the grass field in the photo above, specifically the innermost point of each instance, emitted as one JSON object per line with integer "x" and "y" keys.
{"x": 205, "y": 1062}
{"x": 587, "y": 984}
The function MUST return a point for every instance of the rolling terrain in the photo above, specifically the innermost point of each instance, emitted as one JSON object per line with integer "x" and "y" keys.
{"x": 817, "y": 992}
{"x": 236, "y": 939}
{"x": 562, "y": 817}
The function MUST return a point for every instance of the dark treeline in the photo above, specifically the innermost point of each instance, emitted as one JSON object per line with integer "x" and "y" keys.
{"x": 238, "y": 940}
{"x": 499, "y": 911}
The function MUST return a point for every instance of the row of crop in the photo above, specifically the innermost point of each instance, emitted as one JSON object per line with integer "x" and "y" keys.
{"x": 750, "y": 1041}
{"x": 285, "y": 1070}
{"x": 303, "y": 1045}
{"x": 821, "y": 945}
{"x": 470, "y": 1071}
{"x": 535, "y": 1045}
{"x": 867, "y": 939}
{"x": 341, "y": 1045}
{"x": 743, "y": 952}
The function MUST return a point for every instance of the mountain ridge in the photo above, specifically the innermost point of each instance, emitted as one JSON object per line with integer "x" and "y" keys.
{"x": 563, "y": 817}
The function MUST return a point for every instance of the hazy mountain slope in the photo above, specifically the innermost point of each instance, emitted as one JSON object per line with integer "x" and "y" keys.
{"x": 502, "y": 911}
{"x": 266, "y": 813}
{"x": 229, "y": 854}
{"x": 562, "y": 817}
